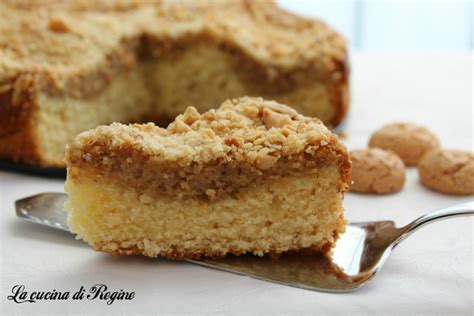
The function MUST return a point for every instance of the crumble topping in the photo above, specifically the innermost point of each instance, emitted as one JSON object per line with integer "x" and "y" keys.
{"x": 36, "y": 40}
{"x": 213, "y": 153}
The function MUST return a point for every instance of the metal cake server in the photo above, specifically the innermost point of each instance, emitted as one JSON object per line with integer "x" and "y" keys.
{"x": 359, "y": 253}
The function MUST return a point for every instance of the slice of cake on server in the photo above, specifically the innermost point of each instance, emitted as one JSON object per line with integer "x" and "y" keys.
{"x": 253, "y": 176}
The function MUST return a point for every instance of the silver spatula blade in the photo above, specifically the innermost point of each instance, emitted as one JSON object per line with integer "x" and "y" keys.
{"x": 314, "y": 272}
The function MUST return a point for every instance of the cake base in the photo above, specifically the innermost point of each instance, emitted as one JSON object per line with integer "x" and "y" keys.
{"x": 288, "y": 214}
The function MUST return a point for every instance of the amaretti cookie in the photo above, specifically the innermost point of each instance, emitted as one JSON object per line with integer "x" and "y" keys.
{"x": 69, "y": 66}
{"x": 253, "y": 176}
{"x": 409, "y": 141}
{"x": 448, "y": 171}
{"x": 376, "y": 170}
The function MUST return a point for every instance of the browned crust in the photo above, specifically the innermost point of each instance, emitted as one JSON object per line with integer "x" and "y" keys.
{"x": 339, "y": 92}
{"x": 18, "y": 104}
{"x": 179, "y": 254}
{"x": 344, "y": 162}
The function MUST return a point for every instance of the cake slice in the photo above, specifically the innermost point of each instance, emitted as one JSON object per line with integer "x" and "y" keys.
{"x": 69, "y": 66}
{"x": 253, "y": 176}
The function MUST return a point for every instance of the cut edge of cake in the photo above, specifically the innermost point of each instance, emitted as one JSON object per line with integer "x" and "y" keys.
{"x": 253, "y": 176}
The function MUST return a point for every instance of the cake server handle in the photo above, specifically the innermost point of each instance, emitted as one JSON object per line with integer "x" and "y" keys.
{"x": 459, "y": 210}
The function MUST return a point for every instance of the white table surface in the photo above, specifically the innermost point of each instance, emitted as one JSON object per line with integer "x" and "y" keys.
{"x": 431, "y": 272}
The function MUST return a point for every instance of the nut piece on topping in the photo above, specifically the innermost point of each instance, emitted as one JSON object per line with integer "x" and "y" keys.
{"x": 191, "y": 115}
{"x": 409, "y": 141}
{"x": 58, "y": 24}
{"x": 178, "y": 126}
{"x": 448, "y": 171}
{"x": 377, "y": 171}
{"x": 274, "y": 119}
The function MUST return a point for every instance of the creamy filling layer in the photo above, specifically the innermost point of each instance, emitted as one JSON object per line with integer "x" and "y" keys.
{"x": 212, "y": 180}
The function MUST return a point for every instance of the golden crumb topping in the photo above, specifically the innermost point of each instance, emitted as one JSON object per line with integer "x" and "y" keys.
{"x": 245, "y": 140}
{"x": 249, "y": 129}
{"x": 72, "y": 38}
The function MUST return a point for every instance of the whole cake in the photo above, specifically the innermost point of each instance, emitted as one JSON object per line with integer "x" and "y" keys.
{"x": 69, "y": 66}
{"x": 253, "y": 176}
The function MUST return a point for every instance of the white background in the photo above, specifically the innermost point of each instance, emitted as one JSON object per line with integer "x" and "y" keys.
{"x": 396, "y": 25}
{"x": 394, "y": 79}
{"x": 431, "y": 272}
